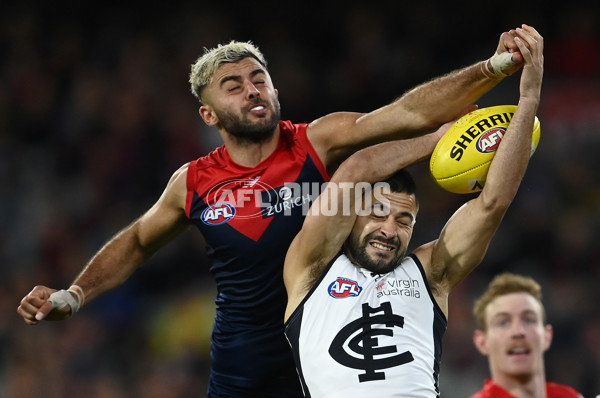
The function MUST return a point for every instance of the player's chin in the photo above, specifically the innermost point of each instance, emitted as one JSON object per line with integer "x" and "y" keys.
{"x": 381, "y": 264}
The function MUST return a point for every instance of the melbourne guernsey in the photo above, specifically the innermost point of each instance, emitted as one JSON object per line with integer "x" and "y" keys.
{"x": 359, "y": 334}
{"x": 248, "y": 217}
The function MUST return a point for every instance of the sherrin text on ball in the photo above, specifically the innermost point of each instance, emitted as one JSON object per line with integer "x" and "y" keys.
{"x": 461, "y": 160}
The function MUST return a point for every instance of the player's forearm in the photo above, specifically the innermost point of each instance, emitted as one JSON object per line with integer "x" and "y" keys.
{"x": 378, "y": 162}
{"x": 444, "y": 98}
{"x": 112, "y": 265}
{"x": 417, "y": 112}
{"x": 511, "y": 160}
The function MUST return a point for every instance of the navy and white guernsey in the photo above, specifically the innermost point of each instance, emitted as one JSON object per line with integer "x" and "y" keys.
{"x": 249, "y": 217}
{"x": 359, "y": 334}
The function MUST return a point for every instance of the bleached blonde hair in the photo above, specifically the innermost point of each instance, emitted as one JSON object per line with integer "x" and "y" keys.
{"x": 205, "y": 67}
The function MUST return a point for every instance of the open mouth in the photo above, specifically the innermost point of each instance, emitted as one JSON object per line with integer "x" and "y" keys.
{"x": 258, "y": 108}
{"x": 382, "y": 246}
{"x": 518, "y": 351}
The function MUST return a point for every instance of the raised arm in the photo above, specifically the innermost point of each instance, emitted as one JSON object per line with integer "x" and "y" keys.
{"x": 420, "y": 110}
{"x": 332, "y": 215}
{"x": 464, "y": 240}
{"x": 118, "y": 258}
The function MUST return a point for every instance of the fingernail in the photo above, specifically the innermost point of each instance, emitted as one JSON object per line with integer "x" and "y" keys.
{"x": 39, "y": 316}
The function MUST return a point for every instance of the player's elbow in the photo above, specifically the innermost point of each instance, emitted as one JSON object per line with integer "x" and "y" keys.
{"x": 496, "y": 204}
{"x": 354, "y": 169}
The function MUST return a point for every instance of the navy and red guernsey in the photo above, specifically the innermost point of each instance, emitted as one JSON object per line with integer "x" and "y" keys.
{"x": 249, "y": 217}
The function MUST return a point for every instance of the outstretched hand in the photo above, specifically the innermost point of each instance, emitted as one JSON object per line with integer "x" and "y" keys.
{"x": 507, "y": 44}
{"x": 531, "y": 46}
{"x": 35, "y": 307}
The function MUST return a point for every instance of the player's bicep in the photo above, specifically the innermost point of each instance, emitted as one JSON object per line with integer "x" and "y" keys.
{"x": 464, "y": 241}
{"x": 325, "y": 228}
{"x": 342, "y": 132}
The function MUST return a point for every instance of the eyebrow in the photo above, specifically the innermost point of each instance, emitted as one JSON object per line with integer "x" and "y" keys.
{"x": 402, "y": 214}
{"x": 387, "y": 209}
{"x": 406, "y": 214}
{"x": 506, "y": 313}
{"x": 238, "y": 77}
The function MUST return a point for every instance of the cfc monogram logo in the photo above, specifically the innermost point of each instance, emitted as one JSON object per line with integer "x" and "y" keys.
{"x": 369, "y": 356}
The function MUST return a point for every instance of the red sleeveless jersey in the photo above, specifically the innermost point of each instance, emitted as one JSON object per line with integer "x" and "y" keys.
{"x": 249, "y": 217}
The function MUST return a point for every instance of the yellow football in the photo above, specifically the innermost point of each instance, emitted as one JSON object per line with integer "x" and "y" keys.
{"x": 461, "y": 160}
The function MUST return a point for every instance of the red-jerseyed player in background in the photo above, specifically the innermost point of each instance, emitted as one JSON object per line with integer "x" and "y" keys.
{"x": 513, "y": 333}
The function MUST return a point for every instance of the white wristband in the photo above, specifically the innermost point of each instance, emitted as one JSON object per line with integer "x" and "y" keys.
{"x": 62, "y": 298}
{"x": 500, "y": 63}
{"x": 79, "y": 293}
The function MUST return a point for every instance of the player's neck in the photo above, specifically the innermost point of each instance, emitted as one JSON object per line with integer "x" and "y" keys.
{"x": 248, "y": 153}
{"x": 533, "y": 387}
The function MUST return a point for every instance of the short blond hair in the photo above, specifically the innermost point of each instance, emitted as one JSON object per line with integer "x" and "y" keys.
{"x": 204, "y": 68}
{"x": 501, "y": 285}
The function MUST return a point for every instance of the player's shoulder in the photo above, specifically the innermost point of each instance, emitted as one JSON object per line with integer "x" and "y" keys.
{"x": 424, "y": 254}
{"x": 555, "y": 390}
{"x": 290, "y": 131}
{"x": 181, "y": 171}
{"x": 289, "y": 126}
{"x": 178, "y": 178}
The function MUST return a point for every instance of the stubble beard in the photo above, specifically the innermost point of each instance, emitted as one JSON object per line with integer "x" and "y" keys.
{"x": 251, "y": 132}
{"x": 358, "y": 253}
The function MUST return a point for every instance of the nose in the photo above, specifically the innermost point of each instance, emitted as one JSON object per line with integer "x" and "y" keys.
{"x": 518, "y": 329}
{"x": 388, "y": 227}
{"x": 251, "y": 90}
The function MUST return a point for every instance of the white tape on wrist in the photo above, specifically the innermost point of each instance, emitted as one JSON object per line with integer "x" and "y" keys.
{"x": 62, "y": 298}
{"x": 500, "y": 63}
{"x": 79, "y": 293}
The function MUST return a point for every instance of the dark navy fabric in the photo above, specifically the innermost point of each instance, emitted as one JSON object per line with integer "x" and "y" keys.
{"x": 248, "y": 217}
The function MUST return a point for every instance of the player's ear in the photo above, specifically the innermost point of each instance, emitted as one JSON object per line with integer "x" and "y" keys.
{"x": 548, "y": 334}
{"x": 479, "y": 338}
{"x": 208, "y": 115}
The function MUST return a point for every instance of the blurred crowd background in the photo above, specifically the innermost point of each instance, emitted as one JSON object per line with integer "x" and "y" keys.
{"x": 96, "y": 114}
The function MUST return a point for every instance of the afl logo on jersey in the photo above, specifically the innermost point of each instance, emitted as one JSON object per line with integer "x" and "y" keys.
{"x": 343, "y": 287}
{"x": 217, "y": 214}
{"x": 490, "y": 140}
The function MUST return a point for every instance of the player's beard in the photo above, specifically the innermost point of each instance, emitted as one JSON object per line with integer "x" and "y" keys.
{"x": 357, "y": 252}
{"x": 251, "y": 131}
